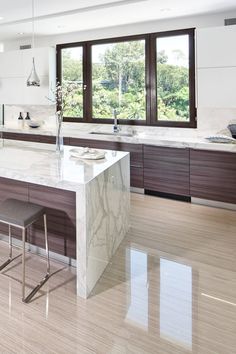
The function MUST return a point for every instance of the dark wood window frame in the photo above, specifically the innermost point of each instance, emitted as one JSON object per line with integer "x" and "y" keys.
{"x": 151, "y": 82}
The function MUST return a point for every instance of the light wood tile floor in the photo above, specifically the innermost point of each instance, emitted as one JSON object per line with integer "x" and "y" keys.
{"x": 170, "y": 289}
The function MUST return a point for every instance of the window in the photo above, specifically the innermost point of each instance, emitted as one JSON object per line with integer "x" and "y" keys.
{"x": 72, "y": 71}
{"x": 148, "y": 79}
{"x": 118, "y": 80}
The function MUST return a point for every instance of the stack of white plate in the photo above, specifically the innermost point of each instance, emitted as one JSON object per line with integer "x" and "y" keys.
{"x": 87, "y": 153}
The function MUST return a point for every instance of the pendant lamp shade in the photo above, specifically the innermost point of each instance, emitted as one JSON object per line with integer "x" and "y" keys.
{"x": 33, "y": 79}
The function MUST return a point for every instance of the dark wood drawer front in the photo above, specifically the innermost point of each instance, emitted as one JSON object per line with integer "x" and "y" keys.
{"x": 61, "y": 219}
{"x": 24, "y": 137}
{"x": 166, "y": 170}
{"x": 47, "y": 139}
{"x": 136, "y": 177}
{"x": 213, "y": 175}
{"x": 12, "y": 189}
{"x": 136, "y": 150}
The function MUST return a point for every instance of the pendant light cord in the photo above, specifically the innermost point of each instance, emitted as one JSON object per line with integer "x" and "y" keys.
{"x": 33, "y": 34}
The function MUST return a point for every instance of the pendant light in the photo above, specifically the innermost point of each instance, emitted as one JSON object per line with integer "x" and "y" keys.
{"x": 33, "y": 79}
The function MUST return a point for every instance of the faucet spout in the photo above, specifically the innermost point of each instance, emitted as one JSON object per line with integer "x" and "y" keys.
{"x": 116, "y": 128}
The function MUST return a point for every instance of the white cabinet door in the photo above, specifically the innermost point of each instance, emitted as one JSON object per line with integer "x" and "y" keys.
{"x": 217, "y": 87}
{"x": 11, "y": 64}
{"x": 216, "y": 47}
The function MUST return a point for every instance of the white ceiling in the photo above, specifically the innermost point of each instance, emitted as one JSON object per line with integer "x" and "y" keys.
{"x": 63, "y": 16}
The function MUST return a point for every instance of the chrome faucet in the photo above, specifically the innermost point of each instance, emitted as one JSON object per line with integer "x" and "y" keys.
{"x": 116, "y": 127}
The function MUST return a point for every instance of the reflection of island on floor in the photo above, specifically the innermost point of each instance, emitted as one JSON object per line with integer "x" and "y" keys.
{"x": 87, "y": 202}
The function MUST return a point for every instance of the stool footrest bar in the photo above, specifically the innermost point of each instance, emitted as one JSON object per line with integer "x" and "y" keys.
{"x": 36, "y": 289}
{"x": 8, "y": 262}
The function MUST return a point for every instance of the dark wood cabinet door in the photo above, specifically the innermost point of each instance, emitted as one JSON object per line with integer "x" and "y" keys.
{"x": 60, "y": 207}
{"x": 12, "y": 189}
{"x": 136, "y": 155}
{"x": 20, "y": 136}
{"x": 213, "y": 175}
{"x": 166, "y": 170}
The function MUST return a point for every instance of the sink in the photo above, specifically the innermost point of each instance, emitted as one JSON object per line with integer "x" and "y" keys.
{"x": 113, "y": 134}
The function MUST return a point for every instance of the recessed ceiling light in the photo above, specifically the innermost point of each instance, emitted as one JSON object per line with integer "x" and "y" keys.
{"x": 1, "y": 18}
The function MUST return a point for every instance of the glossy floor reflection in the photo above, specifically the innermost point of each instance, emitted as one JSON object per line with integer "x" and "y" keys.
{"x": 170, "y": 289}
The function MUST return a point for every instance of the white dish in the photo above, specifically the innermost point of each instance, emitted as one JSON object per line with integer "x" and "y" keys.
{"x": 87, "y": 154}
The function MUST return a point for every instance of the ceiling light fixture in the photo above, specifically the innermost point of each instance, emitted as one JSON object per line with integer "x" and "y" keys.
{"x": 33, "y": 79}
{"x": 1, "y": 18}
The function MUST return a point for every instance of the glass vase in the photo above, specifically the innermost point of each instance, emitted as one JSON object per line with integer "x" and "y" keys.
{"x": 59, "y": 136}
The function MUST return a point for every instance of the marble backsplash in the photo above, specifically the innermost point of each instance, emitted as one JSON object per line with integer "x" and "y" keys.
{"x": 45, "y": 113}
{"x": 209, "y": 121}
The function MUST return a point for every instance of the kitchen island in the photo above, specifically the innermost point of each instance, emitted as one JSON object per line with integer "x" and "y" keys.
{"x": 87, "y": 202}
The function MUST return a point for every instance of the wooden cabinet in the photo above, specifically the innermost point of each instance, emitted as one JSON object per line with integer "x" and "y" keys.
{"x": 136, "y": 155}
{"x": 46, "y": 139}
{"x": 61, "y": 217}
{"x": 22, "y": 137}
{"x": 213, "y": 175}
{"x": 12, "y": 189}
{"x": 166, "y": 170}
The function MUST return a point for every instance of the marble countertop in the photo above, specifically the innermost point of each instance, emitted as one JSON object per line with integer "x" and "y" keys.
{"x": 169, "y": 137}
{"x": 39, "y": 163}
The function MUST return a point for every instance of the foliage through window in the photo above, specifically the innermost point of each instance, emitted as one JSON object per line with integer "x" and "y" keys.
{"x": 72, "y": 72}
{"x": 173, "y": 78}
{"x": 148, "y": 79}
{"x": 118, "y": 80}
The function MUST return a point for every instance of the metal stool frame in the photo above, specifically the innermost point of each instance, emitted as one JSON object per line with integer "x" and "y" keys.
{"x": 10, "y": 258}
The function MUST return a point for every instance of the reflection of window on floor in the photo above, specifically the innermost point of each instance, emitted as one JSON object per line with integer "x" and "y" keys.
{"x": 176, "y": 303}
{"x": 137, "y": 313}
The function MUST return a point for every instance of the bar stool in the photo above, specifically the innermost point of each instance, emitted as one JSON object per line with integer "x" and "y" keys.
{"x": 21, "y": 214}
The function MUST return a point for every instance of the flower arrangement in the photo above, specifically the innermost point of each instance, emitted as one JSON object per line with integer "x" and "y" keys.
{"x": 63, "y": 97}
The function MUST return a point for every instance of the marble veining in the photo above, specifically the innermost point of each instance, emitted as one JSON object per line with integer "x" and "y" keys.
{"x": 102, "y": 198}
{"x": 106, "y": 211}
{"x": 158, "y": 136}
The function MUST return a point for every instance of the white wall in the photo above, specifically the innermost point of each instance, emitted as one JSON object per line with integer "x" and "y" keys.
{"x": 138, "y": 28}
{"x": 210, "y": 119}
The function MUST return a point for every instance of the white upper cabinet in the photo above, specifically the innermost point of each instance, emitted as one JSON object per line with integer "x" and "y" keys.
{"x": 15, "y": 67}
{"x": 216, "y": 67}
{"x": 216, "y": 47}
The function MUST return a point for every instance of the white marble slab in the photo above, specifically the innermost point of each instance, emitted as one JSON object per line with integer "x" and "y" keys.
{"x": 102, "y": 198}
{"x": 158, "y": 136}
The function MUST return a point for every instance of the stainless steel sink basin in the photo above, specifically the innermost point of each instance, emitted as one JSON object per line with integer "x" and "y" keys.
{"x": 113, "y": 134}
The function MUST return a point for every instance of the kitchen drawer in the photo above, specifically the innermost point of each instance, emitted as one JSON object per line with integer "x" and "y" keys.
{"x": 213, "y": 175}
{"x": 166, "y": 170}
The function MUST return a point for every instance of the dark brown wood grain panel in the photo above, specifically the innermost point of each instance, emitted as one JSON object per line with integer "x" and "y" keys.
{"x": 213, "y": 175}
{"x": 12, "y": 189}
{"x": 136, "y": 177}
{"x": 20, "y": 136}
{"x": 38, "y": 138}
{"x": 61, "y": 209}
{"x": 166, "y": 170}
{"x": 47, "y": 139}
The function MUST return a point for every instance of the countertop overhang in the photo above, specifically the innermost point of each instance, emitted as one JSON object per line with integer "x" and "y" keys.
{"x": 40, "y": 164}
